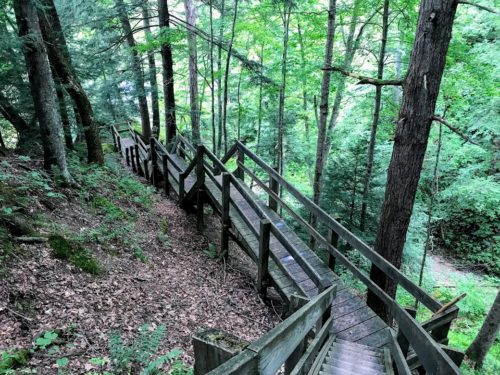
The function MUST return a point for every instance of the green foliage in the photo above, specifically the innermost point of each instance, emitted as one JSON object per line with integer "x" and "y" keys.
{"x": 12, "y": 360}
{"x": 46, "y": 339}
{"x": 212, "y": 252}
{"x": 75, "y": 253}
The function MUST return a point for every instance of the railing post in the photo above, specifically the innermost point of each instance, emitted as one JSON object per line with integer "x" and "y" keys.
{"x": 239, "y": 173}
{"x": 400, "y": 337}
{"x": 226, "y": 194}
{"x": 324, "y": 285}
{"x": 166, "y": 183}
{"x": 263, "y": 261}
{"x": 119, "y": 142}
{"x": 154, "y": 162}
{"x": 200, "y": 182}
{"x": 333, "y": 239}
{"x": 132, "y": 158}
{"x": 296, "y": 303}
{"x": 274, "y": 186}
{"x": 138, "y": 160}
{"x": 146, "y": 169}
{"x": 112, "y": 129}
{"x": 127, "y": 156}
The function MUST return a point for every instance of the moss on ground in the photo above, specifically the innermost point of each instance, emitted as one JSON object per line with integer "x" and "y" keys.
{"x": 75, "y": 253}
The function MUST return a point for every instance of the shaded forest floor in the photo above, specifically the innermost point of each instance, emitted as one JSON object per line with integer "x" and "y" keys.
{"x": 149, "y": 266}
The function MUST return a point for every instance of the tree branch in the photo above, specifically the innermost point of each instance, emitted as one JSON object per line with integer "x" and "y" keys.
{"x": 491, "y": 10}
{"x": 363, "y": 80}
{"x": 454, "y": 129}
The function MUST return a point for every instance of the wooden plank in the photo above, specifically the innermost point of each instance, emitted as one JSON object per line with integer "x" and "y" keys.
{"x": 377, "y": 339}
{"x": 354, "y": 318}
{"x": 346, "y": 306}
{"x": 363, "y": 329}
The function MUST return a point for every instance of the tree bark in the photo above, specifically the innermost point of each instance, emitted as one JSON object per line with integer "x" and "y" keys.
{"x": 167, "y": 74}
{"x": 376, "y": 117}
{"x": 420, "y": 92}
{"x": 212, "y": 79}
{"x": 68, "y": 139}
{"x": 61, "y": 64}
{"x": 191, "y": 15}
{"x": 155, "y": 105}
{"x": 325, "y": 94}
{"x": 42, "y": 86}
{"x": 259, "y": 116}
{"x": 136, "y": 69}
{"x": 487, "y": 335}
{"x": 219, "y": 77}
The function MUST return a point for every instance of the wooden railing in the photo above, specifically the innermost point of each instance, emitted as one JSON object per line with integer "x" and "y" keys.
{"x": 204, "y": 163}
{"x": 286, "y": 343}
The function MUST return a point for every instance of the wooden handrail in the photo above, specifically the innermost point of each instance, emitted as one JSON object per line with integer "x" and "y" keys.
{"x": 349, "y": 237}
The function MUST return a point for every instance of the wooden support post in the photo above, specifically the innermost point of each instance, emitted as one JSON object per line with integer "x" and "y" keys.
{"x": 119, "y": 143}
{"x": 132, "y": 158}
{"x": 400, "y": 337}
{"x": 240, "y": 173}
{"x": 213, "y": 347}
{"x": 138, "y": 160}
{"x": 275, "y": 188}
{"x": 154, "y": 162}
{"x": 200, "y": 183}
{"x": 146, "y": 169}
{"x": 166, "y": 183}
{"x": 127, "y": 156}
{"x": 115, "y": 146}
{"x": 296, "y": 302}
{"x": 200, "y": 200}
{"x": 225, "y": 223}
{"x": 263, "y": 265}
{"x": 333, "y": 239}
{"x": 181, "y": 189}
{"x": 324, "y": 285}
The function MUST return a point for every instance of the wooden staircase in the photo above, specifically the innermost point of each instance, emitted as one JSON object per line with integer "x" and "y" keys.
{"x": 355, "y": 340}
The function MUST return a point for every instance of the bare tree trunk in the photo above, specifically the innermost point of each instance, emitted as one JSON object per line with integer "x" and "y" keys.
{"x": 238, "y": 96}
{"x": 421, "y": 89}
{"x": 226, "y": 76}
{"x": 68, "y": 139}
{"x": 287, "y": 9}
{"x": 191, "y": 15}
{"x": 325, "y": 94}
{"x": 42, "y": 87}
{"x": 136, "y": 69}
{"x": 155, "y": 105}
{"x": 259, "y": 118}
{"x": 60, "y": 61}
{"x": 28, "y": 134}
{"x": 168, "y": 74}
{"x": 486, "y": 337}
{"x": 212, "y": 79}
{"x": 376, "y": 116}
{"x": 219, "y": 77}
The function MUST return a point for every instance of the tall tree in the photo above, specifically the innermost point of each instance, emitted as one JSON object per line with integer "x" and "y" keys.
{"x": 167, "y": 72}
{"x": 42, "y": 86}
{"x": 376, "y": 117}
{"x": 68, "y": 138}
{"x": 219, "y": 76}
{"x": 60, "y": 61}
{"x": 420, "y": 92}
{"x": 212, "y": 78}
{"x": 226, "y": 75}
{"x": 486, "y": 337}
{"x": 191, "y": 15}
{"x": 155, "y": 104}
{"x": 325, "y": 94}
{"x": 136, "y": 69}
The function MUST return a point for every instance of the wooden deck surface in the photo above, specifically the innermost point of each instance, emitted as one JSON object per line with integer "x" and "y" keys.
{"x": 353, "y": 321}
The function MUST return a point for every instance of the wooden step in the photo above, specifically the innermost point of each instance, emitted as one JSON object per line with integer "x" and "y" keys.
{"x": 347, "y": 370}
{"x": 356, "y": 361}
{"x": 356, "y": 346}
{"x": 366, "y": 356}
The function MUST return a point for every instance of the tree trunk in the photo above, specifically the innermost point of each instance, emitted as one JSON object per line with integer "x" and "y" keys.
{"x": 420, "y": 92}
{"x": 136, "y": 69}
{"x": 226, "y": 76}
{"x": 68, "y": 139}
{"x": 42, "y": 86}
{"x": 287, "y": 9}
{"x": 219, "y": 77}
{"x": 191, "y": 15}
{"x": 487, "y": 335}
{"x": 212, "y": 79}
{"x": 155, "y": 106}
{"x": 61, "y": 64}
{"x": 259, "y": 118}
{"x": 376, "y": 116}
{"x": 168, "y": 74}
{"x": 325, "y": 94}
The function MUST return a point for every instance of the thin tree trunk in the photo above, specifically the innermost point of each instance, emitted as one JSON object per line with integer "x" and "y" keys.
{"x": 60, "y": 61}
{"x": 191, "y": 15}
{"x": 226, "y": 76}
{"x": 219, "y": 78}
{"x": 68, "y": 138}
{"x": 238, "y": 96}
{"x": 167, "y": 74}
{"x": 486, "y": 337}
{"x": 27, "y": 134}
{"x": 376, "y": 116}
{"x": 42, "y": 87}
{"x": 259, "y": 118}
{"x": 212, "y": 80}
{"x": 325, "y": 94}
{"x": 421, "y": 89}
{"x": 286, "y": 15}
{"x": 354, "y": 189}
{"x": 2, "y": 143}
{"x": 136, "y": 69}
{"x": 155, "y": 105}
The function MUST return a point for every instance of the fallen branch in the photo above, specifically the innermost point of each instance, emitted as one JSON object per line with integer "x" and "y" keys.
{"x": 454, "y": 129}
{"x": 18, "y": 314}
{"x": 446, "y": 306}
{"x": 26, "y": 239}
{"x": 363, "y": 80}
{"x": 482, "y": 7}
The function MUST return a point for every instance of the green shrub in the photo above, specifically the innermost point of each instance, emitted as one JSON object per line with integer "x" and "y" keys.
{"x": 75, "y": 253}
{"x": 12, "y": 360}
